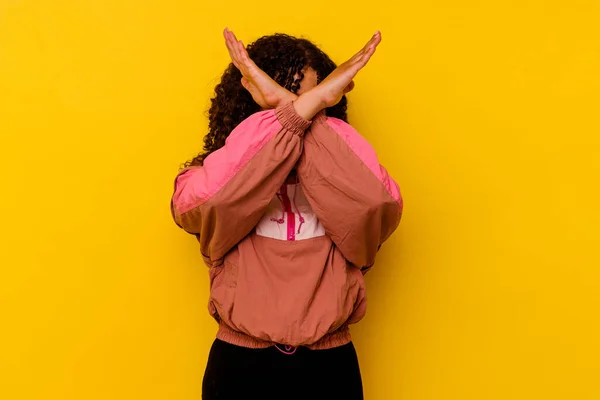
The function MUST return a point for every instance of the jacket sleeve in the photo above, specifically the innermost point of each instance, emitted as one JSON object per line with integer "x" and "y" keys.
{"x": 357, "y": 202}
{"x": 223, "y": 200}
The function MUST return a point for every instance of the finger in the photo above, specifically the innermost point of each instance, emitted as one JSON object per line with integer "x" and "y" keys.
{"x": 232, "y": 35}
{"x": 247, "y": 63}
{"x": 234, "y": 44}
{"x": 241, "y": 54}
{"x": 369, "y": 49}
{"x": 226, "y": 34}
{"x": 233, "y": 52}
{"x": 244, "y": 57}
{"x": 371, "y": 44}
{"x": 245, "y": 84}
{"x": 374, "y": 41}
{"x": 240, "y": 50}
{"x": 349, "y": 88}
{"x": 227, "y": 41}
{"x": 231, "y": 44}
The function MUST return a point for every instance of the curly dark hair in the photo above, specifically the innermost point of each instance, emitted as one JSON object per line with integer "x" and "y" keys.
{"x": 283, "y": 58}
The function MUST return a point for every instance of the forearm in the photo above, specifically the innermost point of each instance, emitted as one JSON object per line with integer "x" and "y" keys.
{"x": 307, "y": 105}
{"x": 222, "y": 200}
{"x": 355, "y": 199}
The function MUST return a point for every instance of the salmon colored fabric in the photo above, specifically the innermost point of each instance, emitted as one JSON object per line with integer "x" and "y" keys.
{"x": 286, "y": 261}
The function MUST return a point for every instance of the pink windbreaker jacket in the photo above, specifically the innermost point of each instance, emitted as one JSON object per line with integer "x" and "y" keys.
{"x": 286, "y": 261}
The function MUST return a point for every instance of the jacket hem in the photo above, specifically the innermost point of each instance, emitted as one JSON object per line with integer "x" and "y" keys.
{"x": 227, "y": 334}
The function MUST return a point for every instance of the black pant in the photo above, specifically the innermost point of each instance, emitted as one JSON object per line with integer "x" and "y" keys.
{"x": 239, "y": 373}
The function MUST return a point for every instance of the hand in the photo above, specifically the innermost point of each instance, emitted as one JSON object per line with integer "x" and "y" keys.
{"x": 329, "y": 92}
{"x": 340, "y": 81}
{"x": 264, "y": 90}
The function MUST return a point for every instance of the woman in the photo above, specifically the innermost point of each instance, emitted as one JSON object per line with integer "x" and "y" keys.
{"x": 290, "y": 206}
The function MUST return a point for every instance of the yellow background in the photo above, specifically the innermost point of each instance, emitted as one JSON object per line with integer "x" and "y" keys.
{"x": 485, "y": 112}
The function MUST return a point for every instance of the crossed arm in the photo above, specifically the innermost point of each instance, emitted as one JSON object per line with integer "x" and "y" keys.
{"x": 353, "y": 196}
{"x": 268, "y": 94}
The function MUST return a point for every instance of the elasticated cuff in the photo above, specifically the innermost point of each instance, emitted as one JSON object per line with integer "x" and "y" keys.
{"x": 338, "y": 338}
{"x": 289, "y": 118}
{"x": 320, "y": 118}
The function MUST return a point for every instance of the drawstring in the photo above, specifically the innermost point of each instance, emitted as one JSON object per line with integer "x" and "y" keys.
{"x": 300, "y": 217}
{"x": 282, "y": 219}
{"x": 289, "y": 350}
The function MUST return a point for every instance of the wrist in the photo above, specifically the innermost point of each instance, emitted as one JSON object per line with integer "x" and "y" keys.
{"x": 287, "y": 98}
{"x": 309, "y": 104}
